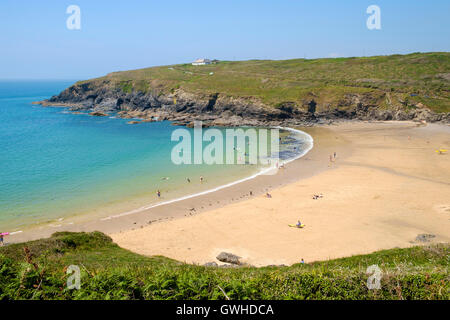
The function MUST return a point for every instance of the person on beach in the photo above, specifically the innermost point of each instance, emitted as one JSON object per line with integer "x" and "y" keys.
{"x": 159, "y": 194}
{"x": 1, "y": 240}
{"x": 268, "y": 195}
{"x": 299, "y": 224}
{"x": 317, "y": 196}
{"x": 334, "y": 155}
{"x": 331, "y": 161}
{"x": 201, "y": 179}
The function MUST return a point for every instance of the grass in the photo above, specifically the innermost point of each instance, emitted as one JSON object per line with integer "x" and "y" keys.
{"x": 36, "y": 270}
{"x": 328, "y": 81}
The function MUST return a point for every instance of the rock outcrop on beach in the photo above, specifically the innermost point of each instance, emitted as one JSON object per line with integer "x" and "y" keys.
{"x": 153, "y": 94}
{"x": 425, "y": 237}
{"x": 229, "y": 258}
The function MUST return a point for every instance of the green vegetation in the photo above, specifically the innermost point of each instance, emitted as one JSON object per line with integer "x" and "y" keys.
{"x": 386, "y": 81}
{"x": 36, "y": 270}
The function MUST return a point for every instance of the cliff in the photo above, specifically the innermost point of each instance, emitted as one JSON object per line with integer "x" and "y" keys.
{"x": 288, "y": 92}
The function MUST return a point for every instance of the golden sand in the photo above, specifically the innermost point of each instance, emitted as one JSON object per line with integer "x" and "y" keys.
{"x": 386, "y": 186}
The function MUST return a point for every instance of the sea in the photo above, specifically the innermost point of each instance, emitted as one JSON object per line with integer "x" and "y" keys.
{"x": 56, "y": 165}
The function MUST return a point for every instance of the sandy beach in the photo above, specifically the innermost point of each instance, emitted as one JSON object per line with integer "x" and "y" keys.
{"x": 387, "y": 186}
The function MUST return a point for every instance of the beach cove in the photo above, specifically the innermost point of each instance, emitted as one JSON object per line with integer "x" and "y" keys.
{"x": 61, "y": 167}
{"x": 369, "y": 203}
{"x": 387, "y": 188}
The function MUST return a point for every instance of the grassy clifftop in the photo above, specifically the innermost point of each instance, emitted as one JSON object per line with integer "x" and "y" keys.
{"x": 36, "y": 270}
{"x": 396, "y": 81}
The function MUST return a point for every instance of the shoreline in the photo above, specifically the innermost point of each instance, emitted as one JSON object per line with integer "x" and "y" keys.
{"x": 370, "y": 203}
{"x": 232, "y": 220}
{"x": 216, "y": 189}
{"x": 128, "y": 205}
{"x": 122, "y": 221}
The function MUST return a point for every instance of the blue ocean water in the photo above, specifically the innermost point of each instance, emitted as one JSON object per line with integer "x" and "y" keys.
{"x": 55, "y": 164}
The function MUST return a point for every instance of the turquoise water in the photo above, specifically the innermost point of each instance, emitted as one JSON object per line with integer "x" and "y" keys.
{"x": 54, "y": 164}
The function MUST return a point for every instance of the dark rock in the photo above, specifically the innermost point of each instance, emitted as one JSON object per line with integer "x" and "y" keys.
{"x": 98, "y": 114}
{"x": 312, "y": 107}
{"x": 211, "y": 264}
{"x": 228, "y": 266}
{"x": 178, "y": 123}
{"x": 228, "y": 258}
{"x": 425, "y": 237}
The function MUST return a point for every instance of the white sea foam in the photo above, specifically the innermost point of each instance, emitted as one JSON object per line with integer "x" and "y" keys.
{"x": 261, "y": 172}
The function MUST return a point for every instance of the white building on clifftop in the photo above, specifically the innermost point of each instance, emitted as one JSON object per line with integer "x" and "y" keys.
{"x": 201, "y": 62}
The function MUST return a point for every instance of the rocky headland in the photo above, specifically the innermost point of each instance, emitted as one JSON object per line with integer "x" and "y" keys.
{"x": 220, "y": 110}
{"x": 268, "y": 93}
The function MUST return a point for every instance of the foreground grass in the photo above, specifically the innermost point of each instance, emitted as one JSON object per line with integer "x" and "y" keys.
{"x": 386, "y": 81}
{"x": 37, "y": 270}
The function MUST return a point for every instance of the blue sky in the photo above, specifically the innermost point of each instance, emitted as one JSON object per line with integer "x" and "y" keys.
{"x": 36, "y": 43}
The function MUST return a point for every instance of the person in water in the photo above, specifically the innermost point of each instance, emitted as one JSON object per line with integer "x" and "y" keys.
{"x": 188, "y": 180}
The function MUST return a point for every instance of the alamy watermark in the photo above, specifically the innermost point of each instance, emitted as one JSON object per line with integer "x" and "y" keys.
{"x": 374, "y": 20}
{"x": 73, "y": 22}
{"x": 74, "y": 280}
{"x": 238, "y": 146}
{"x": 374, "y": 281}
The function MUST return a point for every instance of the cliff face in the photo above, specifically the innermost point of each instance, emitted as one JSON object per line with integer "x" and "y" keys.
{"x": 220, "y": 109}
